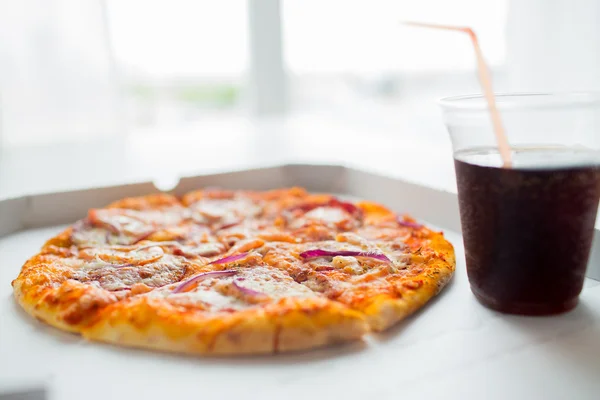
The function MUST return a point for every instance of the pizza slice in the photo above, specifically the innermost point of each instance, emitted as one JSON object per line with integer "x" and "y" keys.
{"x": 68, "y": 287}
{"x": 386, "y": 269}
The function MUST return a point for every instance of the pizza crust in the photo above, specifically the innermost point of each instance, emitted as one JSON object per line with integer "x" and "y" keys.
{"x": 385, "y": 311}
{"x": 293, "y": 324}
{"x": 45, "y": 291}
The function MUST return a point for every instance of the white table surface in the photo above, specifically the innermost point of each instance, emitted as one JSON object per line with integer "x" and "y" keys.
{"x": 453, "y": 349}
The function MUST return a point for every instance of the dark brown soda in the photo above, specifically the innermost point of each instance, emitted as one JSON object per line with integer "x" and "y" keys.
{"x": 528, "y": 230}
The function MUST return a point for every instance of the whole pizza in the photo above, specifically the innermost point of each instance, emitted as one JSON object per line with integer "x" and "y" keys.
{"x": 234, "y": 272}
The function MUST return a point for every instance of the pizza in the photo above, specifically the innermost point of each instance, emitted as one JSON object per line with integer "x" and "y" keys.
{"x": 234, "y": 272}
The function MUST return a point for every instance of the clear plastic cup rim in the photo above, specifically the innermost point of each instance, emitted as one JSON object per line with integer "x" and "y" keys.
{"x": 522, "y": 101}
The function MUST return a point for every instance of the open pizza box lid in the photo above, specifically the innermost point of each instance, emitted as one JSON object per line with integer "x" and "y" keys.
{"x": 452, "y": 348}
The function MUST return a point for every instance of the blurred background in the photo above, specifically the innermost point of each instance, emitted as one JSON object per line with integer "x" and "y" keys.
{"x": 117, "y": 84}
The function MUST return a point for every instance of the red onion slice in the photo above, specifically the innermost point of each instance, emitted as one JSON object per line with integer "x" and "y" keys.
{"x": 334, "y": 202}
{"x": 325, "y": 253}
{"x": 230, "y": 225}
{"x": 247, "y": 291}
{"x": 408, "y": 224}
{"x": 199, "y": 278}
{"x": 229, "y": 259}
{"x": 348, "y": 207}
{"x": 143, "y": 236}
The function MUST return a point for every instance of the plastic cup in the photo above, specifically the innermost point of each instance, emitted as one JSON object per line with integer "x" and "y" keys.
{"x": 528, "y": 229}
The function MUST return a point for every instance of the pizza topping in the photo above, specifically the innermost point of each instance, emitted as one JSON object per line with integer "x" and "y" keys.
{"x": 223, "y": 212}
{"x": 246, "y": 291}
{"x": 248, "y": 229}
{"x": 320, "y": 283}
{"x": 209, "y": 210}
{"x": 403, "y": 221}
{"x": 202, "y": 250}
{"x": 229, "y": 259}
{"x": 123, "y": 276}
{"x": 281, "y": 256}
{"x": 116, "y": 221}
{"x": 155, "y": 245}
{"x": 353, "y": 238}
{"x": 139, "y": 256}
{"x": 237, "y": 289}
{"x": 126, "y": 226}
{"x": 84, "y": 234}
{"x": 325, "y": 215}
{"x": 325, "y": 253}
{"x": 187, "y": 285}
{"x": 229, "y": 225}
{"x": 257, "y": 283}
{"x": 140, "y": 288}
{"x": 347, "y": 264}
{"x": 146, "y": 256}
{"x": 247, "y": 245}
{"x": 276, "y": 236}
{"x": 324, "y": 268}
{"x": 332, "y": 213}
{"x": 186, "y": 233}
{"x": 374, "y": 274}
{"x": 98, "y": 263}
{"x": 123, "y": 226}
{"x": 333, "y": 203}
{"x": 314, "y": 233}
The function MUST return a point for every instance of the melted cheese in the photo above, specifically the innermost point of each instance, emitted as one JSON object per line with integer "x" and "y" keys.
{"x": 220, "y": 293}
{"x": 224, "y": 211}
{"x": 347, "y": 264}
{"x": 204, "y": 249}
{"x": 136, "y": 256}
{"x": 358, "y": 265}
{"x": 327, "y": 214}
{"x": 90, "y": 237}
{"x": 122, "y": 226}
{"x": 355, "y": 239}
{"x": 110, "y": 277}
{"x": 273, "y": 283}
{"x": 324, "y": 215}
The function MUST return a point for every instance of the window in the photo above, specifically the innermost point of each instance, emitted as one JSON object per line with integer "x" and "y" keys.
{"x": 359, "y": 37}
{"x": 355, "y": 60}
{"x": 56, "y": 74}
{"x": 178, "y": 59}
{"x": 82, "y": 68}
